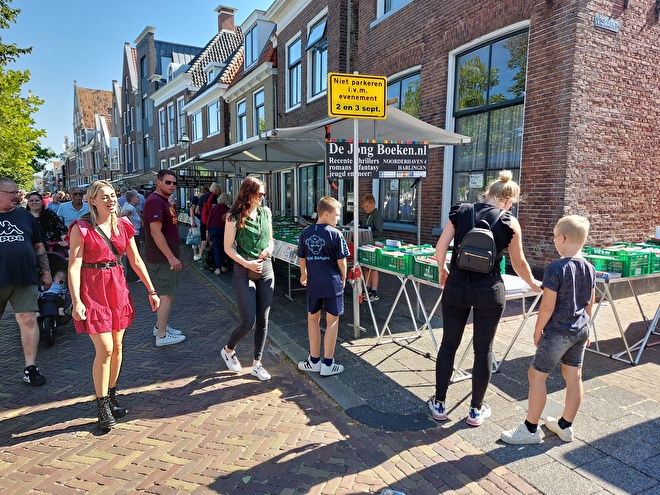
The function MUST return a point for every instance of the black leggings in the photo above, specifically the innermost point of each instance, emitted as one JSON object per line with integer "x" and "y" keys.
{"x": 485, "y": 295}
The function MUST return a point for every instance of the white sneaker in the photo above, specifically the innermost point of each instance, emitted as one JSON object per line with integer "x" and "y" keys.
{"x": 231, "y": 361}
{"x": 566, "y": 434}
{"x": 333, "y": 369}
{"x": 170, "y": 330}
{"x": 260, "y": 372}
{"x": 197, "y": 257}
{"x": 477, "y": 416}
{"x": 521, "y": 436}
{"x": 169, "y": 339}
{"x": 307, "y": 365}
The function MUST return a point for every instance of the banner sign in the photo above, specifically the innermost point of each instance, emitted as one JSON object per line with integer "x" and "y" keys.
{"x": 193, "y": 180}
{"x": 378, "y": 159}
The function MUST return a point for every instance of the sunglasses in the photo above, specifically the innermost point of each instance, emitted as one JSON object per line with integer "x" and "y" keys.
{"x": 262, "y": 195}
{"x": 170, "y": 182}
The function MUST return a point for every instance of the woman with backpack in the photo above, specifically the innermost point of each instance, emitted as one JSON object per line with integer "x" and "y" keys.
{"x": 483, "y": 293}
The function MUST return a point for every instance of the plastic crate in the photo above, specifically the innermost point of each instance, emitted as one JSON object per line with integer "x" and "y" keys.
{"x": 425, "y": 268}
{"x": 635, "y": 263}
{"x": 604, "y": 263}
{"x": 396, "y": 261}
{"x": 369, "y": 255}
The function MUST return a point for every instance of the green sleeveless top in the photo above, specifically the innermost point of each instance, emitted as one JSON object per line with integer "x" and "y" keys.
{"x": 253, "y": 238}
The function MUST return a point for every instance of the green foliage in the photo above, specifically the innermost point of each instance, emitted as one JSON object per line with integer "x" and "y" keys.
{"x": 21, "y": 154}
{"x": 9, "y": 53}
{"x": 19, "y": 139}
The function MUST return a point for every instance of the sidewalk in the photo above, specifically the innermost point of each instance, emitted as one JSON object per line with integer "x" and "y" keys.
{"x": 193, "y": 427}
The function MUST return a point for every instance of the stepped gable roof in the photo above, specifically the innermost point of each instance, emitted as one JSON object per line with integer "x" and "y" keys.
{"x": 220, "y": 49}
{"x": 94, "y": 101}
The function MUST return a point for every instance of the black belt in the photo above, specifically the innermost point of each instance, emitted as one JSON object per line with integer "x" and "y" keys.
{"x": 105, "y": 265}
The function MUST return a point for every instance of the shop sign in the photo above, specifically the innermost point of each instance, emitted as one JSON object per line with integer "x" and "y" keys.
{"x": 357, "y": 96}
{"x": 377, "y": 160}
{"x": 604, "y": 22}
{"x": 193, "y": 180}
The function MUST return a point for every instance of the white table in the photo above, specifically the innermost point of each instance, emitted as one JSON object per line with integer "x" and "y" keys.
{"x": 603, "y": 289}
{"x": 516, "y": 289}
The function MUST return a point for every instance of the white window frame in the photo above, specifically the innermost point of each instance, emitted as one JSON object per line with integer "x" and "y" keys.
{"x": 289, "y": 104}
{"x": 171, "y": 125}
{"x": 182, "y": 117}
{"x": 311, "y": 53}
{"x": 241, "y": 121}
{"x": 255, "y": 111}
{"x": 161, "y": 129}
{"x": 197, "y": 127}
{"x": 213, "y": 109}
{"x": 381, "y": 14}
{"x": 251, "y": 41}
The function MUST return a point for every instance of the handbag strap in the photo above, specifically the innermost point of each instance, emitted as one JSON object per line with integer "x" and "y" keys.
{"x": 110, "y": 244}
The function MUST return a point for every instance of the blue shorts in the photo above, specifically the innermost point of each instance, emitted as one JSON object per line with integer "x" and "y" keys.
{"x": 554, "y": 347}
{"x": 333, "y": 305}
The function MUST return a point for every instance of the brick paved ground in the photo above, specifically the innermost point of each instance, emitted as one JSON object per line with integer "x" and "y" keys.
{"x": 193, "y": 427}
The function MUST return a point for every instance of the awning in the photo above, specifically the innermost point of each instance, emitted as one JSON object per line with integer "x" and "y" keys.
{"x": 286, "y": 147}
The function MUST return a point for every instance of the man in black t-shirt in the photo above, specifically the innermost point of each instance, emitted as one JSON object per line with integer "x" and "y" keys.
{"x": 22, "y": 254}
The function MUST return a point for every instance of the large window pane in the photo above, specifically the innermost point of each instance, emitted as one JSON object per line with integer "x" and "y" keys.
{"x": 472, "y": 79}
{"x": 294, "y": 79}
{"x": 406, "y": 90}
{"x": 399, "y": 200}
{"x": 508, "y": 69}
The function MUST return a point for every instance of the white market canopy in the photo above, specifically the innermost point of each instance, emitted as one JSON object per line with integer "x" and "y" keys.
{"x": 284, "y": 148}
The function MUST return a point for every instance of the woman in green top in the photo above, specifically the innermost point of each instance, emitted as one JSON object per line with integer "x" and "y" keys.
{"x": 249, "y": 242}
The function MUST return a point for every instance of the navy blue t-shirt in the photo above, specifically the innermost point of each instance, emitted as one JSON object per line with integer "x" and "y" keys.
{"x": 322, "y": 245}
{"x": 573, "y": 279}
{"x": 19, "y": 231}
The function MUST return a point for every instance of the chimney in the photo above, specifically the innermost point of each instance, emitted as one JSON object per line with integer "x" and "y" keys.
{"x": 225, "y": 18}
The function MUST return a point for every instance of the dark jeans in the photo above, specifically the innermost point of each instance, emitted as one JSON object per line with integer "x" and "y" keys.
{"x": 218, "y": 240}
{"x": 485, "y": 295}
{"x": 254, "y": 295}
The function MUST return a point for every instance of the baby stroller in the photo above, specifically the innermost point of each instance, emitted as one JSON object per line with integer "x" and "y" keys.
{"x": 50, "y": 319}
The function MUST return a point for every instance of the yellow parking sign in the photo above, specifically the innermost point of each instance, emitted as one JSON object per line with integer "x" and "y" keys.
{"x": 357, "y": 96}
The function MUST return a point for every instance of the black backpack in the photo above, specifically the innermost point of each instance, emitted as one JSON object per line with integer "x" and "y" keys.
{"x": 477, "y": 250}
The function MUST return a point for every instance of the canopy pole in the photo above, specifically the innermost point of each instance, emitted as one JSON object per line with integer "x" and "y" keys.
{"x": 357, "y": 287}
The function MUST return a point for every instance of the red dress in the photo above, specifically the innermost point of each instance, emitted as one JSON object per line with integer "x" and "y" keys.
{"x": 103, "y": 291}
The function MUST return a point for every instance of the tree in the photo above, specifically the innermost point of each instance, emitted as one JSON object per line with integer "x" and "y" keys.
{"x": 20, "y": 151}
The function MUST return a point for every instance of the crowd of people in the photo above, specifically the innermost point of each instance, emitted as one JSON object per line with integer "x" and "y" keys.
{"x": 103, "y": 232}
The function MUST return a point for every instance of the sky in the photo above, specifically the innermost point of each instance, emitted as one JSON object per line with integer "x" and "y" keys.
{"x": 83, "y": 41}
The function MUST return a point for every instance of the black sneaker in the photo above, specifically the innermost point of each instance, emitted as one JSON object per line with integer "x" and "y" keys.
{"x": 32, "y": 376}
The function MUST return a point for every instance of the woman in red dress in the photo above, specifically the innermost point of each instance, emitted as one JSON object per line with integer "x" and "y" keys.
{"x": 102, "y": 304}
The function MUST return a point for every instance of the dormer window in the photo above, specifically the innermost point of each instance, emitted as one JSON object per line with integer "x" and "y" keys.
{"x": 210, "y": 76}
{"x": 251, "y": 47}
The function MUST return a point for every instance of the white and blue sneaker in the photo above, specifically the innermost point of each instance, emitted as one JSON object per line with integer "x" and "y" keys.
{"x": 477, "y": 416}
{"x": 438, "y": 409}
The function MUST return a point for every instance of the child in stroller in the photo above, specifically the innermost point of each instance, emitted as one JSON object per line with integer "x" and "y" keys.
{"x": 54, "y": 301}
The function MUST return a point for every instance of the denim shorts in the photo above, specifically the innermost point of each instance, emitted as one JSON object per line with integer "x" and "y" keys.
{"x": 564, "y": 348}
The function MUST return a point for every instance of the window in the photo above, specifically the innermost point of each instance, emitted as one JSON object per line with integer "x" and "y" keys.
{"x": 171, "y": 125}
{"x": 197, "y": 126}
{"x": 398, "y": 200}
{"x": 317, "y": 48}
{"x": 294, "y": 74}
{"x": 214, "y": 117}
{"x": 312, "y": 188}
{"x": 259, "y": 112}
{"x": 406, "y": 91}
{"x": 161, "y": 127}
{"x": 210, "y": 76}
{"x": 172, "y": 162}
{"x": 488, "y": 106}
{"x": 182, "y": 117}
{"x": 241, "y": 121}
{"x": 251, "y": 47}
{"x": 393, "y": 4}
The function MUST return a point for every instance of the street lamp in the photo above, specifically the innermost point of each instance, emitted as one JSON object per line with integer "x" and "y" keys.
{"x": 105, "y": 171}
{"x": 184, "y": 142}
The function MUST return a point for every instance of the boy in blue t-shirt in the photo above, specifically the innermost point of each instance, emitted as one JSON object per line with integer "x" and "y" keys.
{"x": 322, "y": 252}
{"x": 561, "y": 332}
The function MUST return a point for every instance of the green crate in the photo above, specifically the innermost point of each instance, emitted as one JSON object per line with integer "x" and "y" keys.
{"x": 368, "y": 256}
{"x": 425, "y": 271}
{"x": 654, "y": 260}
{"x": 635, "y": 263}
{"x": 604, "y": 263}
{"x": 396, "y": 261}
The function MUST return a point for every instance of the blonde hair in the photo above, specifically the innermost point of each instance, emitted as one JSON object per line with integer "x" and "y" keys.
{"x": 574, "y": 227}
{"x": 327, "y": 204}
{"x": 92, "y": 192}
{"x": 504, "y": 188}
{"x": 368, "y": 199}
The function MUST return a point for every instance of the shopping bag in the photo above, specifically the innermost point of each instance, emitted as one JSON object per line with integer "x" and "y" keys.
{"x": 193, "y": 238}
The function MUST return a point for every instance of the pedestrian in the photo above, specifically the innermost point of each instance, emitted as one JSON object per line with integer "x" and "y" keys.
{"x": 322, "y": 252}
{"x": 48, "y": 220}
{"x": 210, "y": 198}
{"x": 561, "y": 333}
{"x": 129, "y": 210}
{"x": 249, "y": 242}
{"x": 196, "y": 219}
{"x": 102, "y": 305}
{"x": 54, "y": 205}
{"x": 121, "y": 199}
{"x": 216, "y": 232}
{"x": 22, "y": 257}
{"x": 483, "y": 293}
{"x": 374, "y": 221}
{"x": 161, "y": 248}
{"x": 74, "y": 209}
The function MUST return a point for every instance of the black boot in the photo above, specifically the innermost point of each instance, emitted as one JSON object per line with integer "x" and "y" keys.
{"x": 106, "y": 419}
{"x": 117, "y": 410}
